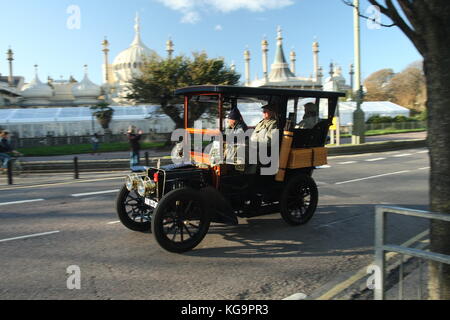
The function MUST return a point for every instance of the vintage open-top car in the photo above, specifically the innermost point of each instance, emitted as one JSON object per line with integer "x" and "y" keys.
{"x": 178, "y": 202}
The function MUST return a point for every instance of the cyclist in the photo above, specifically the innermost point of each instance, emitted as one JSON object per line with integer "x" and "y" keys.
{"x": 5, "y": 150}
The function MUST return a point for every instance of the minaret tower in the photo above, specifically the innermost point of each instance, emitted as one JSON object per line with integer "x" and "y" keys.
{"x": 247, "y": 66}
{"x": 316, "y": 59}
{"x": 169, "y": 48}
{"x": 10, "y": 54}
{"x": 265, "y": 49}
{"x": 105, "y": 50}
{"x": 331, "y": 69}
{"x": 293, "y": 60}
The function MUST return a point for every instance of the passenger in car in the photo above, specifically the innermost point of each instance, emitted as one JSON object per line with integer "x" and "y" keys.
{"x": 311, "y": 117}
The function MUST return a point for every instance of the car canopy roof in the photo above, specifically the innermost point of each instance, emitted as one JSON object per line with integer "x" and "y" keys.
{"x": 252, "y": 91}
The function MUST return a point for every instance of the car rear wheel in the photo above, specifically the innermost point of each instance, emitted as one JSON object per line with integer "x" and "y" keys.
{"x": 180, "y": 221}
{"x": 299, "y": 200}
{"x": 132, "y": 211}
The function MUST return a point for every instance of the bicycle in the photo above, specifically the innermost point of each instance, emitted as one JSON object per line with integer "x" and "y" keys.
{"x": 17, "y": 166}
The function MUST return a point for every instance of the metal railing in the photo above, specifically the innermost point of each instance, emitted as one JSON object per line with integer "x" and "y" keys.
{"x": 381, "y": 247}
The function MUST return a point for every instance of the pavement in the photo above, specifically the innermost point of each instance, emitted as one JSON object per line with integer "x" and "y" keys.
{"x": 164, "y": 152}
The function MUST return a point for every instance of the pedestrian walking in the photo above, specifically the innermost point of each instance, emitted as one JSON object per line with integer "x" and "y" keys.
{"x": 134, "y": 137}
{"x": 95, "y": 143}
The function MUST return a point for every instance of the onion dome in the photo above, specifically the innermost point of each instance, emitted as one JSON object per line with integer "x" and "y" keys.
{"x": 86, "y": 91}
{"x": 129, "y": 62}
{"x": 36, "y": 92}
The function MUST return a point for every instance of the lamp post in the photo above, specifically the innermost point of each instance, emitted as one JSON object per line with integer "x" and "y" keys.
{"x": 358, "y": 135}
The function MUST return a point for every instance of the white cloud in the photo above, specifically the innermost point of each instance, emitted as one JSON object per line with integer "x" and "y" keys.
{"x": 191, "y": 8}
{"x": 191, "y": 17}
{"x": 218, "y": 28}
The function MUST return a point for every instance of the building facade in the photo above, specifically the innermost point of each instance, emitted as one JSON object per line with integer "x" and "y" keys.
{"x": 283, "y": 74}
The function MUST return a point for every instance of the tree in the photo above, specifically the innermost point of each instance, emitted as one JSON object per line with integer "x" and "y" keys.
{"x": 377, "y": 85}
{"x": 407, "y": 88}
{"x": 427, "y": 24}
{"x": 160, "y": 78}
{"x": 104, "y": 114}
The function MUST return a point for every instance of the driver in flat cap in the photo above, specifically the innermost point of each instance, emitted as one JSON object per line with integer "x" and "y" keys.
{"x": 236, "y": 123}
{"x": 264, "y": 129}
{"x": 236, "y": 129}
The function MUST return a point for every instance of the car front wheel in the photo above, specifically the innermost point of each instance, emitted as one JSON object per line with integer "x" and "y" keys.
{"x": 132, "y": 211}
{"x": 180, "y": 221}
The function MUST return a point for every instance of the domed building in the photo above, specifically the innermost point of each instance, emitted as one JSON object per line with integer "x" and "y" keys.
{"x": 126, "y": 66}
{"x": 70, "y": 93}
{"x": 60, "y": 93}
{"x": 283, "y": 74}
{"x": 86, "y": 92}
{"x": 36, "y": 93}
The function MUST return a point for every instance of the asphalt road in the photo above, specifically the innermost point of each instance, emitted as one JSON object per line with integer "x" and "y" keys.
{"x": 262, "y": 258}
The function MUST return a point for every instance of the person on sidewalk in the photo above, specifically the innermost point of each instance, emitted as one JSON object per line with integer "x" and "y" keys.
{"x": 95, "y": 143}
{"x": 134, "y": 137}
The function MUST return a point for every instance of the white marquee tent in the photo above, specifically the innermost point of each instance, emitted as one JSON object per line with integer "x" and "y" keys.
{"x": 371, "y": 108}
{"x": 39, "y": 122}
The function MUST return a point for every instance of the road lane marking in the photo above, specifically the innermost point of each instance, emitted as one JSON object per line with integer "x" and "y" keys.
{"x": 19, "y": 202}
{"x": 426, "y": 151}
{"x": 376, "y": 159}
{"x": 113, "y": 222}
{"x": 363, "y": 271}
{"x": 77, "y": 195}
{"x": 30, "y": 236}
{"x": 59, "y": 184}
{"x": 338, "y": 221}
{"x": 402, "y": 155}
{"x": 373, "y": 177}
{"x": 424, "y": 168}
{"x": 347, "y": 162}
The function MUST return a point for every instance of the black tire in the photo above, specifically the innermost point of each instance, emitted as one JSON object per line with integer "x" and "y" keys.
{"x": 299, "y": 200}
{"x": 132, "y": 211}
{"x": 180, "y": 214}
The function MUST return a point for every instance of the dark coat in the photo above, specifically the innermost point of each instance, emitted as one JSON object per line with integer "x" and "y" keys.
{"x": 134, "y": 142}
{"x": 5, "y": 146}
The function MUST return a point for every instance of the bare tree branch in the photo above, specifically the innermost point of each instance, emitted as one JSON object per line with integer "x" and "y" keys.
{"x": 410, "y": 33}
{"x": 348, "y": 3}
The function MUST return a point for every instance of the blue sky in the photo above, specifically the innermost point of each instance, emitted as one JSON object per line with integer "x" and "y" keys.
{"x": 37, "y": 32}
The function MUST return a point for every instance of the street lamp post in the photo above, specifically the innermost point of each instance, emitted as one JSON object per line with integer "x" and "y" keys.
{"x": 358, "y": 135}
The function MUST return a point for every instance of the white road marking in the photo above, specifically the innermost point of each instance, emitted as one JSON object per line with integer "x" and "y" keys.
{"x": 30, "y": 236}
{"x": 402, "y": 155}
{"x": 297, "y": 296}
{"x": 19, "y": 202}
{"x": 424, "y": 168}
{"x": 324, "y": 167}
{"x": 338, "y": 221}
{"x": 373, "y": 177}
{"x": 113, "y": 222}
{"x": 347, "y": 162}
{"x": 426, "y": 151}
{"x": 376, "y": 159}
{"x": 93, "y": 193}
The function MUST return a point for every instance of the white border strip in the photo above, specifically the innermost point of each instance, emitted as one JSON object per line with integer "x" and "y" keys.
{"x": 94, "y": 193}
{"x": 30, "y": 236}
{"x": 19, "y": 202}
{"x": 373, "y": 177}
